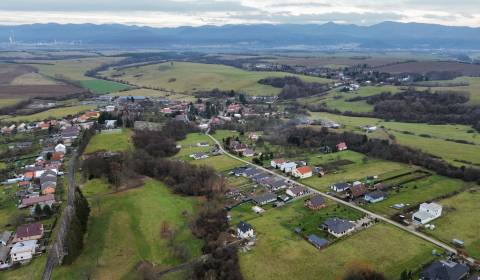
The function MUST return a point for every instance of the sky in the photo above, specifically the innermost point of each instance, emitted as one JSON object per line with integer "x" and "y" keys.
{"x": 173, "y": 13}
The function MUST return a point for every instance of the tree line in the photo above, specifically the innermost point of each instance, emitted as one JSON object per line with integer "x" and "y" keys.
{"x": 293, "y": 87}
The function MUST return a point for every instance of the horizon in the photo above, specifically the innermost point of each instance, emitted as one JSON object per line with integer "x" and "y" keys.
{"x": 176, "y": 13}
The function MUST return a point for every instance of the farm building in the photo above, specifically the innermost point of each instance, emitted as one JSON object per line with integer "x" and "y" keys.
{"x": 427, "y": 212}
{"x": 445, "y": 270}
{"x": 338, "y": 227}
{"x": 318, "y": 242}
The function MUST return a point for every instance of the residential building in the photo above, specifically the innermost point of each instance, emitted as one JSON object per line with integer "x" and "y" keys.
{"x": 318, "y": 242}
{"x": 358, "y": 190}
{"x": 338, "y": 227}
{"x": 264, "y": 198}
{"x": 245, "y": 230}
{"x": 287, "y": 167}
{"x": 427, "y": 212}
{"x": 342, "y": 146}
{"x": 198, "y": 156}
{"x": 445, "y": 270}
{"x": 43, "y": 200}
{"x": 315, "y": 202}
{"x": 28, "y": 232}
{"x": 302, "y": 172}
{"x": 297, "y": 191}
{"x": 5, "y": 237}
{"x": 23, "y": 251}
{"x": 340, "y": 187}
{"x": 375, "y": 196}
{"x": 277, "y": 163}
{"x": 60, "y": 148}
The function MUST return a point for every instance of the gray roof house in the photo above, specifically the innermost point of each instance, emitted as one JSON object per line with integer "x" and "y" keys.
{"x": 445, "y": 270}
{"x": 375, "y": 196}
{"x": 338, "y": 227}
{"x": 340, "y": 187}
{"x": 265, "y": 198}
{"x": 316, "y": 241}
{"x": 5, "y": 237}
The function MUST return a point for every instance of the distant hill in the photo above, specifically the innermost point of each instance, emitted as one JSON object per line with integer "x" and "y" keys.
{"x": 386, "y": 35}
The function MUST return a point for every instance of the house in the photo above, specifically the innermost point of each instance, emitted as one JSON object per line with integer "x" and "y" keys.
{"x": 248, "y": 153}
{"x": 276, "y": 185}
{"x": 338, "y": 227}
{"x": 244, "y": 230}
{"x": 297, "y": 191}
{"x": 340, "y": 187}
{"x": 342, "y": 146}
{"x": 232, "y": 193}
{"x": 375, "y": 196}
{"x": 318, "y": 242}
{"x": 197, "y": 156}
{"x": 287, "y": 167}
{"x": 444, "y": 270}
{"x": 57, "y": 156}
{"x": 265, "y": 198}
{"x": 41, "y": 200}
{"x": 239, "y": 147}
{"x": 302, "y": 172}
{"x": 48, "y": 188}
{"x": 277, "y": 163}
{"x": 427, "y": 212}
{"x": 251, "y": 172}
{"x": 109, "y": 108}
{"x": 28, "y": 232}
{"x": 60, "y": 148}
{"x": 315, "y": 202}
{"x": 253, "y": 136}
{"x": 23, "y": 252}
{"x": 317, "y": 170}
{"x": 203, "y": 144}
{"x": 5, "y": 238}
{"x": 358, "y": 190}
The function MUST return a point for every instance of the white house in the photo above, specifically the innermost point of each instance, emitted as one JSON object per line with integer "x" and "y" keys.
{"x": 427, "y": 212}
{"x": 277, "y": 163}
{"x": 287, "y": 167}
{"x": 244, "y": 230}
{"x": 110, "y": 108}
{"x": 302, "y": 172}
{"x": 60, "y": 148}
{"x": 23, "y": 251}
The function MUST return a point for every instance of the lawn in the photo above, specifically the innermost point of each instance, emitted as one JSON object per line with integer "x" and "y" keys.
{"x": 56, "y": 113}
{"x": 124, "y": 229}
{"x": 102, "y": 86}
{"x": 220, "y": 163}
{"x": 460, "y": 219}
{"x": 112, "y": 142}
{"x": 221, "y": 134}
{"x": 417, "y": 192}
{"x": 185, "y": 77}
{"x": 7, "y": 205}
{"x": 279, "y": 253}
{"x": 415, "y": 135}
{"x": 33, "y": 270}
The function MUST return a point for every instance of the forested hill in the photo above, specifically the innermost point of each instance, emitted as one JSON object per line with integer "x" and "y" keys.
{"x": 386, "y": 35}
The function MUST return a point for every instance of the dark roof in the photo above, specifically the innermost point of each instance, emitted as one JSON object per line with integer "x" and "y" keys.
{"x": 265, "y": 197}
{"x": 338, "y": 225}
{"x": 377, "y": 194}
{"x": 317, "y": 200}
{"x": 29, "y": 230}
{"x": 445, "y": 270}
{"x": 317, "y": 241}
{"x": 278, "y": 183}
{"x": 343, "y": 186}
{"x": 358, "y": 190}
{"x": 244, "y": 227}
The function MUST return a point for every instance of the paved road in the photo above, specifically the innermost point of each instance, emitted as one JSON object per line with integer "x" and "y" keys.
{"x": 379, "y": 217}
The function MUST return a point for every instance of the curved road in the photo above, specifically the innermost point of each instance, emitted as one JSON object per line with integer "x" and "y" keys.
{"x": 379, "y": 217}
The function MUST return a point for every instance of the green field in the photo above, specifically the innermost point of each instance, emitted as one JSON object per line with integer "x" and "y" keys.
{"x": 436, "y": 144}
{"x": 33, "y": 270}
{"x": 460, "y": 220}
{"x": 219, "y": 163}
{"x": 102, "y": 86}
{"x": 125, "y": 229}
{"x": 56, "y": 113}
{"x": 111, "y": 142}
{"x": 154, "y": 93}
{"x": 417, "y": 192}
{"x": 281, "y": 254}
{"x": 185, "y": 77}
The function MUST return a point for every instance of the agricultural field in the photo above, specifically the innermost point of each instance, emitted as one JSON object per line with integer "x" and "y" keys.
{"x": 125, "y": 229}
{"x": 416, "y": 192}
{"x": 56, "y": 113}
{"x": 185, "y": 77}
{"x": 432, "y": 139}
{"x": 154, "y": 93}
{"x": 220, "y": 163}
{"x": 460, "y": 220}
{"x": 110, "y": 141}
{"x": 279, "y": 253}
{"x": 336, "y": 99}
{"x": 102, "y": 86}
{"x": 423, "y": 67}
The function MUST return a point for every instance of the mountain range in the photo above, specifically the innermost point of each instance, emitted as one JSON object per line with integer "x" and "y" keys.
{"x": 385, "y": 35}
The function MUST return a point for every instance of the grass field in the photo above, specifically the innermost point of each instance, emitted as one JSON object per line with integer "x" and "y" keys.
{"x": 184, "y": 77}
{"x": 111, "y": 142}
{"x": 436, "y": 144}
{"x": 280, "y": 254}
{"x": 154, "y": 93}
{"x": 219, "y": 163}
{"x": 460, "y": 220}
{"x": 124, "y": 229}
{"x": 33, "y": 270}
{"x": 102, "y": 86}
{"x": 56, "y": 113}
{"x": 417, "y": 192}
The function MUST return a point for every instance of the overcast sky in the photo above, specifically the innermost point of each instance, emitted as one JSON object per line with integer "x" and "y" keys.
{"x": 170, "y": 13}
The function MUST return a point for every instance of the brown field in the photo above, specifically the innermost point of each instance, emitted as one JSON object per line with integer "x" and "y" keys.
{"x": 423, "y": 67}
{"x": 336, "y": 61}
{"x": 30, "y": 91}
{"x": 8, "y": 72}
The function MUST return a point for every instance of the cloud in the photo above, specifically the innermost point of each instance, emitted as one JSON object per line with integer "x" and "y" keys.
{"x": 218, "y": 12}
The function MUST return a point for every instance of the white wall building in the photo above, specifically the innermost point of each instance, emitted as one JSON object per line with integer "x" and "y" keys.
{"x": 427, "y": 212}
{"x": 23, "y": 251}
{"x": 244, "y": 230}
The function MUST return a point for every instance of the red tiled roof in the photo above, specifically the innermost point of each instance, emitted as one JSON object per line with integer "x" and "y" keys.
{"x": 304, "y": 169}
{"x": 29, "y": 230}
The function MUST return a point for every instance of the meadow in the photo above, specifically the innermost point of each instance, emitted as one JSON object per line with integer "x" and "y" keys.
{"x": 111, "y": 142}
{"x": 460, "y": 220}
{"x": 56, "y": 113}
{"x": 125, "y": 229}
{"x": 185, "y": 77}
{"x": 154, "y": 93}
{"x": 102, "y": 86}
